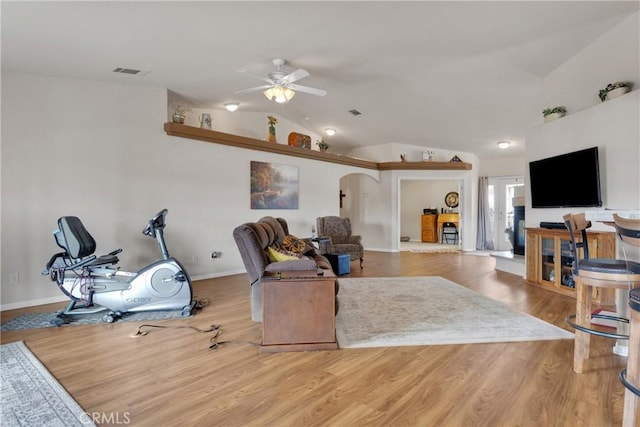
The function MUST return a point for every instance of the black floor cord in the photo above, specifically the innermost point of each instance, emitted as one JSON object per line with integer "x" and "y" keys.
{"x": 214, "y": 343}
{"x": 140, "y": 332}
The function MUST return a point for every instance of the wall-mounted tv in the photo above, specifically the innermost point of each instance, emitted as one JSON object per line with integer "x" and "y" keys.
{"x": 567, "y": 180}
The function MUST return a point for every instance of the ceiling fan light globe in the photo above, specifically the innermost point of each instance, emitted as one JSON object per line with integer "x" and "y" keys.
{"x": 279, "y": 94}
{"x": 288, "y": 93}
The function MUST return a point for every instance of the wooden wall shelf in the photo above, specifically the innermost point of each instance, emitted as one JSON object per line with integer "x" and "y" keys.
{"x": 192, "y": 132}
{"x": 387, "y": 166}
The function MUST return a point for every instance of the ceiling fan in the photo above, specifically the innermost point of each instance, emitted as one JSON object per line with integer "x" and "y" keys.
{"x": 281, "y": 87}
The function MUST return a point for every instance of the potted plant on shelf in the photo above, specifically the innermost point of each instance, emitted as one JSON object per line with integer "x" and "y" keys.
{"x": 322, "y": 145}
{"x": 614, "y": 89}
{"x": 553, "y": 113}
{"x": 179, "y": 114}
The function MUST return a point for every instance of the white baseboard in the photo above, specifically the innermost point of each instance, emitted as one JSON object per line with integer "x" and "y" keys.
{"x": 214, "y": 275}
{"x": 62, "y": 298}
{"x": 381, "y": 250}
{"x": 33, "y": 302}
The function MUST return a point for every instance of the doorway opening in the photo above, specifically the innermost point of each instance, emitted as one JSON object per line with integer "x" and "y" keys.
{"x": 422, "y": 203}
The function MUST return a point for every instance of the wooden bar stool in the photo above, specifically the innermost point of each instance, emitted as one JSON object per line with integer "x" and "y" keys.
{"x": 589, "y": 274}
{"x": 629, "y": 233}
{"x": 630, "y": 377}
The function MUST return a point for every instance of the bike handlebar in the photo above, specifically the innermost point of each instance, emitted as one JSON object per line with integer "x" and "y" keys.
{"x": 157, "y": 222}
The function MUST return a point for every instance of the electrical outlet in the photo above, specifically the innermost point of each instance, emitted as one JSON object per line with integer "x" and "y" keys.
{"x": 194, "y": 259}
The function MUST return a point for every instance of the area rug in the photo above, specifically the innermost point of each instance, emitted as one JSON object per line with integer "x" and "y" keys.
{"x": 31, "y": 396}
{"x": 43, "y": 320}
{"x": 434, "y": 250}
{"x": 404, "y": 311}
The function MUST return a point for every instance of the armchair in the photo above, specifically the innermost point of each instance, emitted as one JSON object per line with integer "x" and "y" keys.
{"x": 336, "y": 232}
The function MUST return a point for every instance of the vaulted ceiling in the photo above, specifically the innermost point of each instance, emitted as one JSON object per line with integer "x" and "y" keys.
{"x": 455, "y": 75}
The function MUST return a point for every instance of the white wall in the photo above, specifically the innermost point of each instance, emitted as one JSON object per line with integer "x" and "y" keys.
{"x": 98, "y": 151}
{"x": 508, "y": 166}
{"x": 613, "y": 126}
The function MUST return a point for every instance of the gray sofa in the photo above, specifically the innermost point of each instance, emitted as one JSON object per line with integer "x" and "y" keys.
{"x": 253, "y": 239}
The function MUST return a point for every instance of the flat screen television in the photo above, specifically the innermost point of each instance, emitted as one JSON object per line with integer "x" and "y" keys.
{"x": 567, "y": 180}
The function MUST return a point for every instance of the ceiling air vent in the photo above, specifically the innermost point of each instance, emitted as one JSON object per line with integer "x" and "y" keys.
{"x": 130, "y": 71}
{"x": 355, "y": 112}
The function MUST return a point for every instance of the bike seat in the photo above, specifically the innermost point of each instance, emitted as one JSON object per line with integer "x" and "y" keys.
{"x": 104, "y": 259}
{"x": 74, "y": 238}
{"x": 77, "y": 243}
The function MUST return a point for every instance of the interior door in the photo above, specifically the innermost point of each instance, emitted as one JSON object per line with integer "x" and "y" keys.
{"x": 502, "y": 190}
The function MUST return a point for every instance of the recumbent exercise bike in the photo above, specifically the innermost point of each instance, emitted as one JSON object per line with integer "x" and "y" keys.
{"x": 96, "y": 284}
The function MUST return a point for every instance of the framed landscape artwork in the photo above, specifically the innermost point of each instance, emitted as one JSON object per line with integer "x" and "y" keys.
{"x": 274, "y": 186}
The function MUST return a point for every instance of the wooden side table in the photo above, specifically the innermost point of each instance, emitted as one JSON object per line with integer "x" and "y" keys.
{"x": 321, "y": 244}
{"x": 298, "y": 311}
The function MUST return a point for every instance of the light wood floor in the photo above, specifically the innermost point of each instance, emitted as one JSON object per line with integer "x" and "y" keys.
{"x": 170, "y": 377}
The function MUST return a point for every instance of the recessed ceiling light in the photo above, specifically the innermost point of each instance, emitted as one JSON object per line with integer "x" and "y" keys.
{"x": 231, "y": 106}
{"x": 330, "y": 131}
{"x": 504, "y": 144}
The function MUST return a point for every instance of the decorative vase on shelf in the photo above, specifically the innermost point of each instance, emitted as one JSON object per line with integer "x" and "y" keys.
{"x": 179, "y": 113}
{"x": 272, "y": 129}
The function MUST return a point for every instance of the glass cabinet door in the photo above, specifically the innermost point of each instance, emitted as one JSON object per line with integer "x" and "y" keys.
{"x": 566, "y": 264}
{"x": 547, "y": 269}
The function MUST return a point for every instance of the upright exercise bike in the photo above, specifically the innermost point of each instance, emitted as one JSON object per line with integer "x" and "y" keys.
{"x": 96, "y": 284}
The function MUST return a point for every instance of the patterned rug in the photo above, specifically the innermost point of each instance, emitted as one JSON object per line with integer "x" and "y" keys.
{"x": 43, "y": 320}
{"x": 404, "y": 311}
{"x": 31, "y": 396}
{"x": 434, "y": 250}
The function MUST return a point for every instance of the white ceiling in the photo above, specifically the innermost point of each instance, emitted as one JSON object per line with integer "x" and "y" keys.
{"x": 455, "y": 75}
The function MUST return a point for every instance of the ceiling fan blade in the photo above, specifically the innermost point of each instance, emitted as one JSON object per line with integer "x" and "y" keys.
{"x": 265, "y": 79}
{"x": 294, "y": 76}
{"x": 307, "y": 89}
{"x": 254, "y": 89}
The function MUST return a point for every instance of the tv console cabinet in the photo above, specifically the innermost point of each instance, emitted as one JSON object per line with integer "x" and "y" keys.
{"x": 549, "y": 259}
